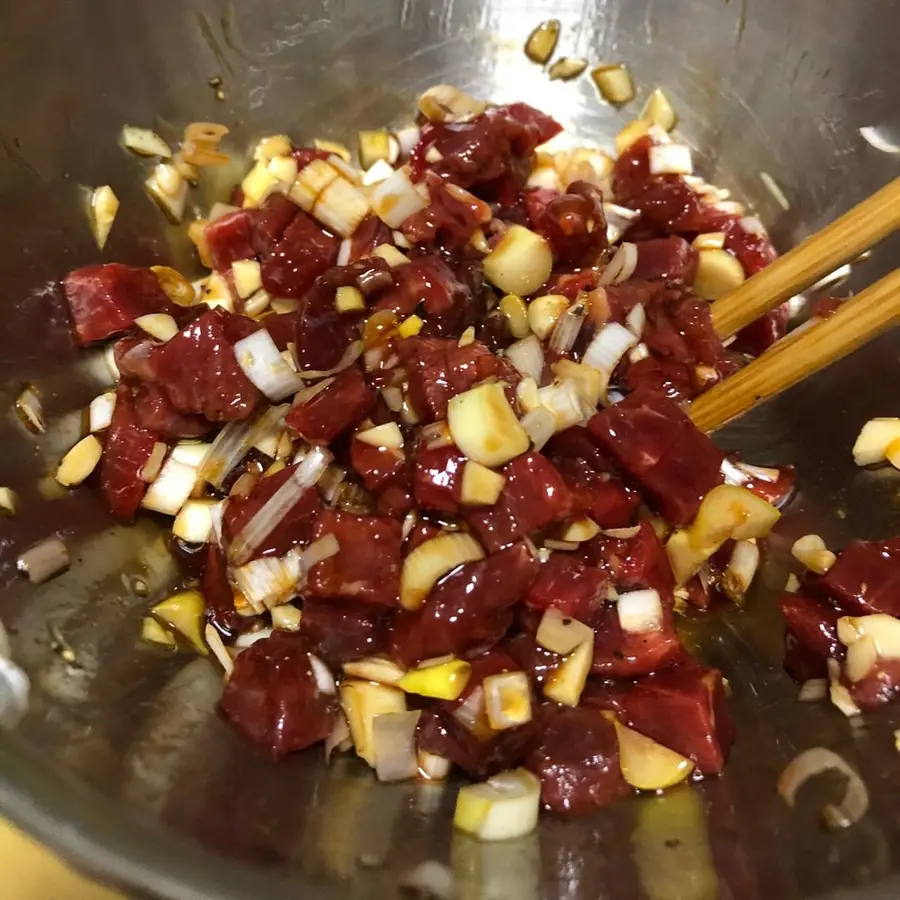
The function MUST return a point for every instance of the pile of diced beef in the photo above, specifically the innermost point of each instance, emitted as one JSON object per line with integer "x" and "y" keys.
{"x": 638, "y": 458}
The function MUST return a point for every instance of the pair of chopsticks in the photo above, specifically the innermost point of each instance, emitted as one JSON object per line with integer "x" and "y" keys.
{"x": 857, "y": 321}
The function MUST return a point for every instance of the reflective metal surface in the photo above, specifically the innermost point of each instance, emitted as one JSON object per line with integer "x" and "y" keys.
{"x": 122, "y": 762}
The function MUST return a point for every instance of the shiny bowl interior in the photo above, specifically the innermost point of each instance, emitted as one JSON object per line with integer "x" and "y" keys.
{"x": 122, "y": 762}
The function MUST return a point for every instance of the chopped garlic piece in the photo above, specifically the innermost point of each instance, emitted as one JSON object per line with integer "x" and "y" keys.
{"x": 103, "y": 206}
{"x": 79, "y": 462}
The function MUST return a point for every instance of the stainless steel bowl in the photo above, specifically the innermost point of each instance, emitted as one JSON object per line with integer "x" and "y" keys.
{"x": 122, "y": 763}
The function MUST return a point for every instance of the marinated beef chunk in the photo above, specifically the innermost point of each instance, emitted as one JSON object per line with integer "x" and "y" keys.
{"x": 340, "y": 631}
{"x": 577, "y": 760}
{"x": 106, "y": 299}
{"x": 125, "y": 453}
{"x": 490, "y": 155}
{"x": 633, "y": 563}
{"x": 539, "y": 664}
{"x": 199, "y": 373}
{"x": 248, "y": 233}
{"x": 324, "y": 334}
{"x": 533, "y": 497}
{"x": 335, "y": 410}
{"x": 154, "y": 411}
{"x": 598, "y": 494}
{"x": 440, "y": 369}
{"x": 625, "y": 654}
{"x": 449, "y": 219}
{"x": 670, "y": 259}
{"x": 662, "y": 450}
{"x": 865, "y": 579}
{"x": 367, "y": 565}
{"x": 573, "y": 223}
{"x": 467, "y": 612}
{"x": 273, "y": 697}
{"x": 567, "y": 584}
{"x": 437, "y": 478}
{"x": 218, "y": 595}
{"x": 682, "y": 708}
{"x": 371, "y": 233}
{"x": 667, "y": 203}
{"x": 479, "y": 755}
{"x": 303, "y": 253}
{"x": 460, "y": 732}
{"x": 295, "y": 527}
{"x": 755, "y": 252}
{"x": 378, "y": 467}
{"x": 810, "y": 636}
{"x": 879, "y": 686}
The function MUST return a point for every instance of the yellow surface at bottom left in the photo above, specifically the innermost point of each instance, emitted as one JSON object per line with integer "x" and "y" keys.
{"x": 31, "y": 872}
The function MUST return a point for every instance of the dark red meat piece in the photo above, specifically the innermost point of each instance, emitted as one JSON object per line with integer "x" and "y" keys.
{"x": 340, "y": 631}
{"x": 449, "y": 219}
{"x": 468, "y": 611}
{"x": 377, "y": 466}
{"x": 622, "y": 298}
{"x": 479, "y": 756}
{"x": 753, "y": 251}
{"x": 440, "y": 369}
{"x": 573, "y": 223}
{"x": 761, "y": 334}
{"x": 810, "y": 636}
{"x": 324, "y": 334}
{"x": 567, "y": 584}
{"x": 294, "y": 528}
{"x": 282, "y": 328}
{"x": 367, "y": 565}
{"x": 493, "y": 151}
{"x": 682, "y": 708}
{"x": 624, "y": 655}
{"x": 603, "y": 497}
{"x": 154, "y": 411}
{"x": 303, "y": 253}
{"x": 531, "y": 657}
{"x": 659, "y": 446}
{"x": 335, "y": 410}
{"x": 533, "y": 497}
{"x": 879, "y": 686}
{"x": 247, "y": 233}
{"x": 437, "y": 478}
{"x": 480, "y": 752}
{"x": 445, "y": 298}
{"x": 865, "y": 579}
{"x": 273, "y": 699}
{"x": 396, "y": 500}
{"x": 672, "y": 259}
{"x": 577, "y": 760}
{"x": 668, "y": 205}
{"x": 200, "y": 374}
{"x": 577, "y": 444}
{"x": 125, "y": 453}
{"x": 371, "y": 233}
{"x": 681, "y": 338}
{"x": 218, "y": 596}
{"x": 106, "y": 299}
{"x": 633, "y": 563}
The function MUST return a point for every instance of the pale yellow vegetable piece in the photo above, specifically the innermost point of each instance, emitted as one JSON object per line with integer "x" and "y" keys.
{"x": 79, "y": 462}
{"x": 185, "y": 612}
{"x": 445, "y": 681}
{"x": 361, "y": 702}
{"x": 484, "y": 426}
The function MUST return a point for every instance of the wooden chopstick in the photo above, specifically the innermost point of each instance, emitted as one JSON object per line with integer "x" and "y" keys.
{"x": 840, "y": 242}
{"x": 858, "y": 320}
